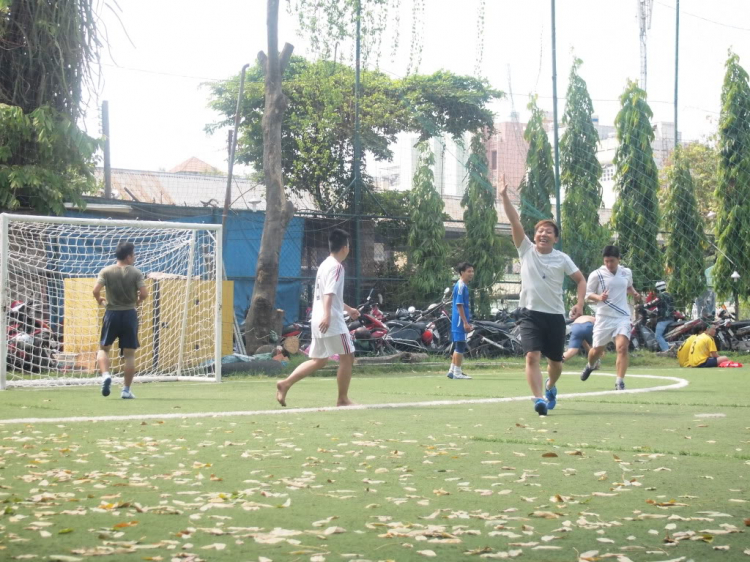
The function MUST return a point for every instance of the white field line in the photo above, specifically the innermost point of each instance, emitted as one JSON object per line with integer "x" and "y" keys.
{"x": 676, "y": 384}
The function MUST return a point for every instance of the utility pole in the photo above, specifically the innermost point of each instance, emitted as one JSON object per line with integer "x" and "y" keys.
{"x": 232, "y": 148}
{"x": 107, "y": 154}
{"x": 357, "y": 164}
{"x": 676, "y": 67}
{"x": 554, "y": 125}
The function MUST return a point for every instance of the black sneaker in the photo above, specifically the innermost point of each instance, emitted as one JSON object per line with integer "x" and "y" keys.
{"x": 105, "y": 386}
{"x": 588, "y": 370}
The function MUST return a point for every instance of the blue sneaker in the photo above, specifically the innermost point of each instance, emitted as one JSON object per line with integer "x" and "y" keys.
{"x": 540, "y": 406}
{"x": 620, "y": 385}
{"x": 105, "y": 386}
{"x": 551, "y": 396}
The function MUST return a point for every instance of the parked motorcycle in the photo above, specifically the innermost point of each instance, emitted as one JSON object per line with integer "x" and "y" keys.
{"x": 732, "y": 334}
{"x": 492, "y": 339}
{"x": 425, "y": 331}
{"x": 641, "y": 336}
{"x": 31, "y": 343}
{"x": 368, "y": 332}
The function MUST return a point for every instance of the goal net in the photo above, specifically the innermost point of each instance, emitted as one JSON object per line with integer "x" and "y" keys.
{"x": 52, "y": 323}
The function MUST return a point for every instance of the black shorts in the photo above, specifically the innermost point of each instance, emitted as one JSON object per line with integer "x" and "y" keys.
{"x": 542, "y": 331}
{"x": 122, "y": 325}
{"x": 710, "y": 362}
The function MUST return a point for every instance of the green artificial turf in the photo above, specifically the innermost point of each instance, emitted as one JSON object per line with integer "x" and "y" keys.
{"x": 644, "y": 476}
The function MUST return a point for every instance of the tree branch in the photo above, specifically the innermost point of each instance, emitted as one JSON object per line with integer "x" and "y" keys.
{"x": 263, "y": 60}
{"x": 286, "y": 54}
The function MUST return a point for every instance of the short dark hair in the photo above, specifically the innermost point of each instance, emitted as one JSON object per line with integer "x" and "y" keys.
{"x": 611, "y": 252}
{"x": 548, "y": 222}
{"x": 124, "y": 249}
{"x": 463, "y": 266}
{"x": 337, "y": 240}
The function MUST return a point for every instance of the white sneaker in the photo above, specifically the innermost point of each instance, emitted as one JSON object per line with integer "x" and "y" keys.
{"x": 127, "y": 395}
{"x": 460, "y": 376}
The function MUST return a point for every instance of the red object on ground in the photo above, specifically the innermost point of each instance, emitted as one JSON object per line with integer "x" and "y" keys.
{"x": 730, "y": 364}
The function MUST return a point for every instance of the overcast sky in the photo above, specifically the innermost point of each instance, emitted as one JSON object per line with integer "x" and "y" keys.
{"x": 158, "y": 109}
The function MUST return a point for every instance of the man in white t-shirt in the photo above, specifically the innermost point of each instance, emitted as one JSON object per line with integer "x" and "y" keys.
{"x": 609, "y": 287}
{"x": 542, "y": 318}
{"x": 330, "y": 334}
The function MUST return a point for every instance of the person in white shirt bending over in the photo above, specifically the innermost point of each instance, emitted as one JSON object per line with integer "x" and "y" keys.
{"x": 542, "y": 318}
{"x": 330, "y": 334}
{"x": 609, "y": 287}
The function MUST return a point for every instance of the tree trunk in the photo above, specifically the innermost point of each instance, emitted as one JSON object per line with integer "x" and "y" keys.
{"x": 279, "y": 211}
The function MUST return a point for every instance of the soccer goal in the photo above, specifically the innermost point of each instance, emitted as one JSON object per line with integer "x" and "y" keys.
{"x": 51, "y": 323}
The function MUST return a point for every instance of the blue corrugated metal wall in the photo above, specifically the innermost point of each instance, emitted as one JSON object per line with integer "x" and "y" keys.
{"x": 242, "y": 244}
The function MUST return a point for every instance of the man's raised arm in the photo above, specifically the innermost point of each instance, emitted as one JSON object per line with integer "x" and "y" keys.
{"x": 512, "y": 214}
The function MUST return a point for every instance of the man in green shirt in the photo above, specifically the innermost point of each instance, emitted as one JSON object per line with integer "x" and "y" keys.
{"x": 126, "y": 289}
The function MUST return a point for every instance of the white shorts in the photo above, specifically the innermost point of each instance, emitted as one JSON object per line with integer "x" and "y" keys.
{"x": 325, "y": 347}
{"x": 606, "y": 328}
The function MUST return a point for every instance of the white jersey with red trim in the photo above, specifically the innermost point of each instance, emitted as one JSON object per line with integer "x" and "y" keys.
{"x": 329, "y": 281}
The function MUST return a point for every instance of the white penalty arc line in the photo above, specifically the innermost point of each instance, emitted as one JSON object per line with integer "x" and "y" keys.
{"x": 677, "y": 384}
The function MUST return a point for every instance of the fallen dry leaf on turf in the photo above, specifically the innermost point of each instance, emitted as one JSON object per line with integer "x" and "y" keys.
{"x": 546, "y": 514}
{"x": 125, "y": 524}
{"x": 484, "y": 550}
{"x": 502, "y": 555}
{"x": 549, "y": 455}
{"x": 428, "y": 553}
{"x": 747, "y": 522}
{"x": 670, "y": 503}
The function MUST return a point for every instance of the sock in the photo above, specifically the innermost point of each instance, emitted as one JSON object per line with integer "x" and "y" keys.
{"x": 620, "y": 379}
{"x": 547, "y": 386}
{"x": 106, "y": 375}
{"x": 126, "y": 389}
{"x": 452, "y": 369}
{"x": 456, "y": 370}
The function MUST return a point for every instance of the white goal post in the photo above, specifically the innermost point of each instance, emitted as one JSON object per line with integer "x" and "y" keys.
{"x": 50, "y": 323}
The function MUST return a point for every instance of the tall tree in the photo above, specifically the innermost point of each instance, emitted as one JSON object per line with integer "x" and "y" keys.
{"x": 702, "y": 158}
{"x": 482, "y": 246}
{"x": 47, "y": 51}
{"x": 427, "y": 232}
{"x": 580, "y": 172}
{"x": 733, "y": 190}
{"x": 686, "y": 238}
{"x": 318, "y": 127}
{"x": 261, "y": 317}
{"x": 636, "y": 211}
{"x": 539, "y": 183}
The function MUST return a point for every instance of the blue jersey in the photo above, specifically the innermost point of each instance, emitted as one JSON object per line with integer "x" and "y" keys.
{"x": 460, "y": 296}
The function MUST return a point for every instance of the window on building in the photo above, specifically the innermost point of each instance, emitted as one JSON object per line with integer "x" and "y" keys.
{"x": 494, "y": 159}
{"x": 608, "y": 174}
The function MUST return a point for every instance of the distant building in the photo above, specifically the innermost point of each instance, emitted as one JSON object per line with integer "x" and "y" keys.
{"x": 662, "y": 146}
{"x": 192, "y": 183}
{"x": 506, "y": 154}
